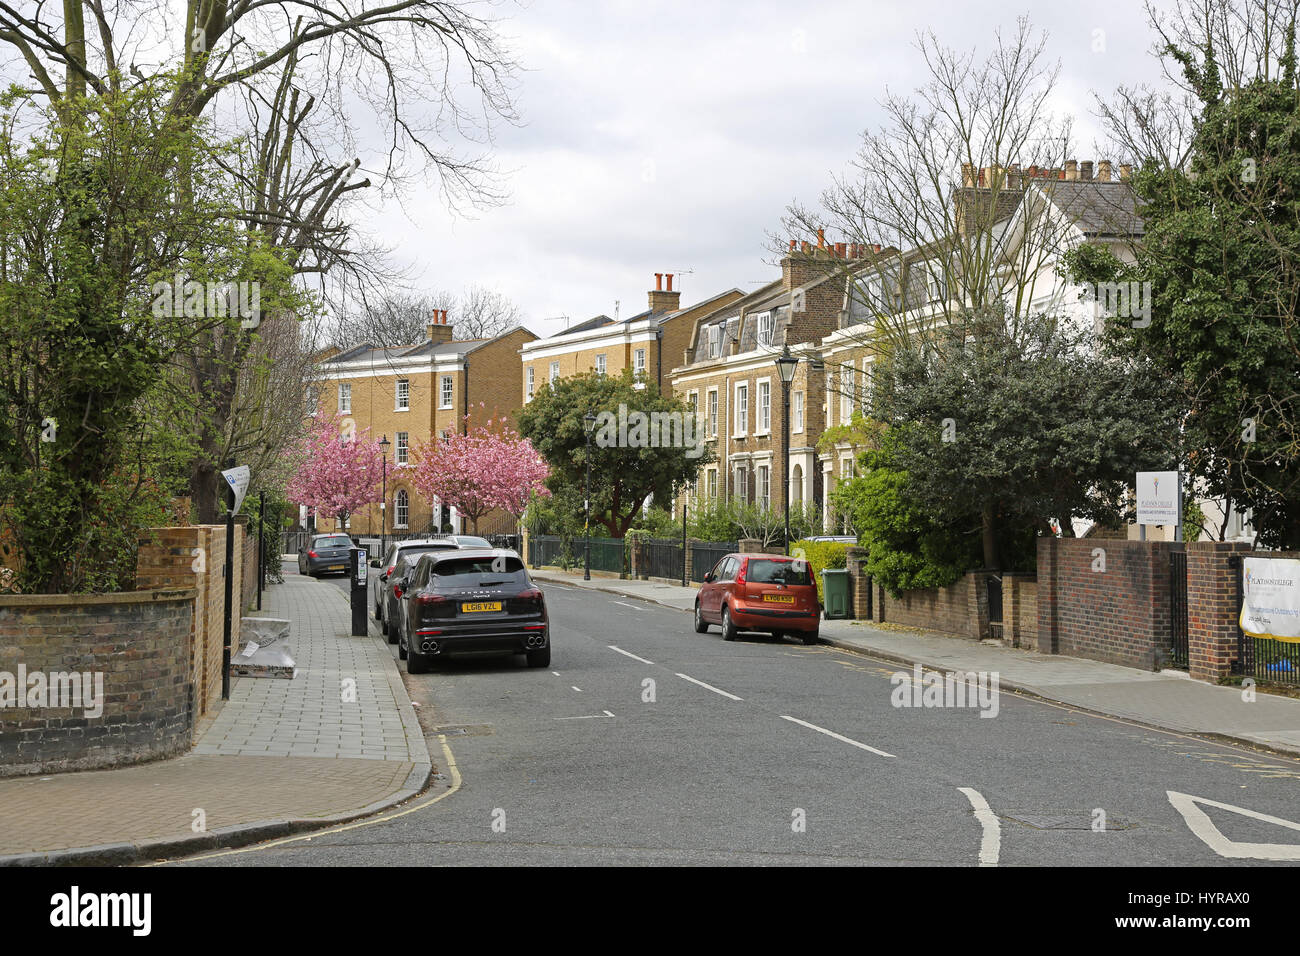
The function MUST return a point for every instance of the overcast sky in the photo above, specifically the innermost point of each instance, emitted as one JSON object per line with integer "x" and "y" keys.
{"x": 669, "y": 137}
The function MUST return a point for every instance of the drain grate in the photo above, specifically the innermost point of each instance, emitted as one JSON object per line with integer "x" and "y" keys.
{"x": 1063, "y": 819}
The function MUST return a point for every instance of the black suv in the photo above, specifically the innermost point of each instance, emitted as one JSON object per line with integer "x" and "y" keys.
{"x": 471, "y": 601}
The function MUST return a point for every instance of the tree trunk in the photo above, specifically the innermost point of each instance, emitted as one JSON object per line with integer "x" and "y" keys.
{"x": 990, "y": 535}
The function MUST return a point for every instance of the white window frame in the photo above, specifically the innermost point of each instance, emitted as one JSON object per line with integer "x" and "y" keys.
{"x": 345, "y": 398}
{"x": 555, "y": 372}
{"x": 716, "y": 333}
{"x": 446, "y": 391}
{"x": 401, "y": 508}
{"x": 711, "y": 412}
{"x": 740, "y": 411}
{"x": 764, "y": 326}
{"x": 402, "y": 448}
{"x": 740, "y": 481}
{"x": 848, "y": 382}
{"x": 638, "y": 360}
{"x": 868, "y": 389}
{"x": 796, "y": 412}
{"x": 402, "y": 390}
{"x": 711, "y": 483}
{"x": 601, "y": 364}
{"x": 763, "y": 413}
{"x": 313, "y": 405}
{"x": 528, "y": 386}
{"x": 763, "y": 486}
{"x": 846, "y": 468}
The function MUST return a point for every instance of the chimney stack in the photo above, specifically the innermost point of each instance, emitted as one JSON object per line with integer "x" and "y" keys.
{"x": 1125, "y": 171}
{"x": 1085, "y": 171}
{"x": 1103, "y": 171}
{"x": 1071, "y": 169}
{"x": 439, "y": 331}
{"x": 968, "y": 175}
{"x": 664, "y": 300}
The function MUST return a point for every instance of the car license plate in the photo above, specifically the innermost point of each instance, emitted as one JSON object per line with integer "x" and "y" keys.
{"x": 336, "y": 567}
{"x": 779, "y": 598}
{"x": 480, "y": 606}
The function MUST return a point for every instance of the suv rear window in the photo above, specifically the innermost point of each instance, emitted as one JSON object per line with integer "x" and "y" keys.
{"x": 333, "y": 541}
{"x": 456, "y": 567}
{"x": 762, "y": 571}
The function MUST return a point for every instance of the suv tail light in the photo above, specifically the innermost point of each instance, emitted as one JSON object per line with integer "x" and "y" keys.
{"x": 532, "y": 594}
{"x": 431, "y": 599}
{"x": 312, "y": 554}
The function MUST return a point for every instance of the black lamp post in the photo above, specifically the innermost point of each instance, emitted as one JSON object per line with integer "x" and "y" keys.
{"x": 383, "y": 504}
{"x": 785, "y": 367}
{"x": 588, "y": 425}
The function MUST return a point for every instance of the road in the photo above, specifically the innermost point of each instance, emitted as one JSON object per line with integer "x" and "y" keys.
{"x": 646, "y": 743}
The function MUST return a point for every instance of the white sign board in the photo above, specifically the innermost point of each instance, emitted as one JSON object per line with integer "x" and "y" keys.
{"x": 237, "y": 478}
{"x": 1157, "y": 497}
{"x": 1270, "y": 598}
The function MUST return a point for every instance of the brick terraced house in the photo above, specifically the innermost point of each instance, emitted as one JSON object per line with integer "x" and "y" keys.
{"x": 412, "y": 394}
{"x": 648, "y": 343}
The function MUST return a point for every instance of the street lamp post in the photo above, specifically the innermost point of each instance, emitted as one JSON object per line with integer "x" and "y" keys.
{"x": 588, "y": 425}
{"x": 383, "y": 503}
{"x": 785, "y": 367}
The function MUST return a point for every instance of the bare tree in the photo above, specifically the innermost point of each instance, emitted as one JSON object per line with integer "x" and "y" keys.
{"x": 948, "y": 198}
{"x": 429, "y": 72}
{"x": 483, "y": 313}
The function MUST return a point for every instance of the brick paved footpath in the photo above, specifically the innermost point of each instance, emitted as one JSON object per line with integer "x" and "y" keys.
{"x": 278, "y": 750}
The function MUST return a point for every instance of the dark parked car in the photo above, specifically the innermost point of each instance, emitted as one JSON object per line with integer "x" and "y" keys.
{"x": 382, "y": 599}
{"x": 471, "y": 601}
{"x": 325, "y": 552}
{"x": 759, "y": 592}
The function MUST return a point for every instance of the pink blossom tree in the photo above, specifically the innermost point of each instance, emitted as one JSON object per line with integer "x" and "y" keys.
{"x": 335, "y": 470}
{"x": 481, "y": 470}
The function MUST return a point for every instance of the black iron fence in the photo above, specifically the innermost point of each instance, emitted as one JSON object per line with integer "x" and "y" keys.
{"x": 1264, "y": 658}
{"x": 1178, "y": 657}
{"x": 705, "y": 554}
{"x": 663, "y": 558}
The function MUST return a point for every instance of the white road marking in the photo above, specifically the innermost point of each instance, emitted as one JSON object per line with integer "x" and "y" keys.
{"x": 1201, "y": 825}
{"x": 556, "y": 673}
{"x": 558, "y": 587}
{"x": 627, "y": 654}
{"x": 710, "y": 687}
{"x": 577, "y": 688}
{"x": 831, "y": 733}
{"x": 632, "y": 606}
{"x": 588, "y": 717}
{"x": 991, "y": 843}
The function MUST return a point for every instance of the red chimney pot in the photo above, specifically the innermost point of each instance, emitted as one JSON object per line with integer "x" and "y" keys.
{"x": 659, "y": 281}
{"x": 670, "y": 282}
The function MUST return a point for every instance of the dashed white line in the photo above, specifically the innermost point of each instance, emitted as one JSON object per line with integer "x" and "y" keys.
{"x": 608, "y": 714}
{"x": 629, "y": 654}
{"x": 991, "y": 843}
{"x": 710, "y": 687}
{"x": 632, "y": 606}
{"x": 577, "y": 688}
{"x": 556, "y": 673}
{"x": 831, "y": 733}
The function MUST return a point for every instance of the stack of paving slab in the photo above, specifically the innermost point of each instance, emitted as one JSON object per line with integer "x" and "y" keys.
{"x": 265, "y": 649}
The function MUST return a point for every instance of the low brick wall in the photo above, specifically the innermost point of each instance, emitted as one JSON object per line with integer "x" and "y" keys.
{"x": 136, "y": 643}
{"x": 951, "y": 609}
{"x": 1119, "y": 615}
{"x": 1020, "y": 610}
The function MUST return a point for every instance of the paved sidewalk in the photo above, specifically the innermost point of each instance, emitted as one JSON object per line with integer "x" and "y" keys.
{"x": 1168, "y": 699}
{"x": 280, "y": 755}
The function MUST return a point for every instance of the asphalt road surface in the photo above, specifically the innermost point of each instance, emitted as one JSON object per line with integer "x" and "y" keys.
{"x": 646, "y": 743}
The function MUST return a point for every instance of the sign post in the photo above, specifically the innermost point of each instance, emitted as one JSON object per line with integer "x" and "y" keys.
{"x": 237, "y": 480}
{"x": 1160, "y": 500}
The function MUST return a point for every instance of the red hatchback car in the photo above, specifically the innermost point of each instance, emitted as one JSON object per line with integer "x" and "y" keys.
{"x": 759, "y": 592}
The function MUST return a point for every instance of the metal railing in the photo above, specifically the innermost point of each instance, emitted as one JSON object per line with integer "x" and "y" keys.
{"x": 663, "y": 558}
{"x": 705, "y": 554}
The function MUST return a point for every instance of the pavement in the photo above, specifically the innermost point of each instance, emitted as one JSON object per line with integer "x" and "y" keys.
{"x": 339, "y": 741}
{"x": 1169, "y": 700}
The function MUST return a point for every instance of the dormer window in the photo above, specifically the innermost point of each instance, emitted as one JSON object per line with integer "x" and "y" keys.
{"x": 764, "y": 325}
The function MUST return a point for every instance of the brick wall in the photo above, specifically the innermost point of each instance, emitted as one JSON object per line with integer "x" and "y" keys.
{"x": 1212, "y": 607}
{"x": 952, "y": 609}
{"x": 139, "y": 642}
{"x": 1119, "y": 615}
{"x": 1020, "y": 610}
{"x": 194, "y": 557}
